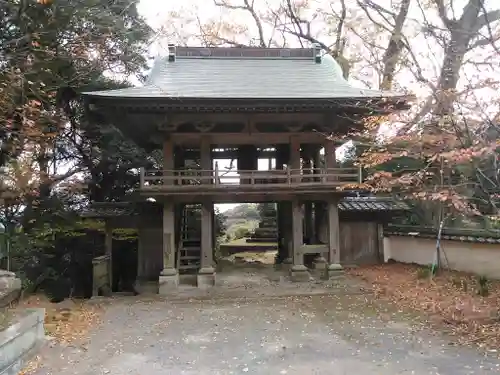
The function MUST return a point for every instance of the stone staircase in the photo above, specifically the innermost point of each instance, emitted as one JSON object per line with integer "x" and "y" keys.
{"x": 267, "y": 231}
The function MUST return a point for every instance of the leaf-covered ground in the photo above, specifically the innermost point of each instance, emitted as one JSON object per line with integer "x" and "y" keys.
{"x": 361, "y": 332}
{"x": 300, "y": 335}
{"x": 449, "y": 300}
{"x": 66, "y": 323}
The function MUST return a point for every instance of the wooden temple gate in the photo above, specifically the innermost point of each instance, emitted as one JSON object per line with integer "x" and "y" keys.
{"x": 193, "y": 119}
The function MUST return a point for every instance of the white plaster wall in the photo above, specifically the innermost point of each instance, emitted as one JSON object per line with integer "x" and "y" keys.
{"x": 478, "y": 258}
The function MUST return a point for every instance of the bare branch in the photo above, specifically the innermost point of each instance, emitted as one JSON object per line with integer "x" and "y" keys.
{"x": 441, "y": 7}
{"x": 250, "y": 9}
{"x": 395, "y": 47}
{"x": 486, "y": 19}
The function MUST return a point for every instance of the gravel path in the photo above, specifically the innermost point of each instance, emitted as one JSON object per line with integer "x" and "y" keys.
{"x": 321, "y": 334}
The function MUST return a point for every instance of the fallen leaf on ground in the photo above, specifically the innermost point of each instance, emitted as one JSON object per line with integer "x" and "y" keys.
{"x": 68, "y": 322}
{"x": 450, "y": 299}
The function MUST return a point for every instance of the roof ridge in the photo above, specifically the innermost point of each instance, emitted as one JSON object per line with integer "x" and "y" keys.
{"x": 246, "y": 53}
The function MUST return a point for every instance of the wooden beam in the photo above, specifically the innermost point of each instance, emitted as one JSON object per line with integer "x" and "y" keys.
{"x": 233, "y": 139}
{"x": 247, "y": 119}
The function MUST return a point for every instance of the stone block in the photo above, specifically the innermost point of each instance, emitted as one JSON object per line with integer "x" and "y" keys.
{"x": 10, "y": 287}
{"x": 21, "y": 339}
{"x": 300, "y": 273}
{"x": 168, "y": 281}
{"x": 146, "y": 287}
{"x": 334, "y": 271}
{"x": 206, "y": 277}
{"x": 286, "y": 265}
{"x": 319, "y": 263}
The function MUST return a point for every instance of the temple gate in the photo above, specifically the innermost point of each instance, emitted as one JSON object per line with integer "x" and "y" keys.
{"x": 201, "y": 104}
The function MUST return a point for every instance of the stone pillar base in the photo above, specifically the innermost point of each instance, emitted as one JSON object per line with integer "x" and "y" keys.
{"x": 299, "y": 273}
{"x": 286, "y": 265}
{"x": 206, "y": 277}
{"x": 334, "y": 271}
{"x": 168, "y": 281}
{"x": 319, "y": 263}
{"x": 146, "y": 287}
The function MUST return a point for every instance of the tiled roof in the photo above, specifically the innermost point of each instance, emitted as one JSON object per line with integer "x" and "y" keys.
{"x": 246, "y": 73}
{"x": 371, "y": 204}
{"x": 347, "y": 204}
{"x": 111, "y": 209}
{"x": 455, "y": 234}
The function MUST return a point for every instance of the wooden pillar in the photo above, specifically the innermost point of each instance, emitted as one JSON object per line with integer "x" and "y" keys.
{"x": 316, "y": 160}
{"x": 295, "y": 158}
{"x": 283, "y": 256}
{"x": 206, "y": 274}
{"x": 287, "y": 233}
{"x": 169, "y": 277}
{"x": 308, "y": 205}
{"x": 334, "y": 266}
{"x": 380, "y": 235}
{"x": 330, "y": 159}
{"x": 297, "y": 233}
{"x": 108, "y": 245}
{"x": 206, "y": 159}
{"x": 168, "y": 160}
{"x": 298, "y": 271}
{"x": 248, "y": 160}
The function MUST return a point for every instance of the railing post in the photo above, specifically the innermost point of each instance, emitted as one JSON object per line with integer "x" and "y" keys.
{"x": 360, "y": 174}
{"x": 288, "y": 177}
{"x": 216, "y": 173}
{"x": 141, "y": 178}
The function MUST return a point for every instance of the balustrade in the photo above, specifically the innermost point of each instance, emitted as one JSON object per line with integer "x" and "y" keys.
{"x": 209, "y": 179}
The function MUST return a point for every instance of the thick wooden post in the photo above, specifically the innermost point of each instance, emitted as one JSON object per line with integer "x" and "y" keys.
{"x": 286, "y": 234}
{"x": 168, "y": 161}
{"x": 298, "y": 271}
{"x": 295, "y": 158}
{"x": 282, "y": 257}
{"x": 169, "y": 277}
{"x": 334, "y": 267}
{"x": 206, "y": 159}
{"x": 330, "y": 159}
{"x": 206, "y": 274}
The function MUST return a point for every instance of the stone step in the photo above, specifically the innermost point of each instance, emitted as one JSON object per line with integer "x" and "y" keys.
{"x": 189, "y": 266}
{"x": 189, "y": 259}
{"x": 190, "y": 248}
{"x": 262, "y": 239}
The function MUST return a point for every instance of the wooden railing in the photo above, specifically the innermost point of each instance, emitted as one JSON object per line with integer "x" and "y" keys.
{"x": 172, "y": 179}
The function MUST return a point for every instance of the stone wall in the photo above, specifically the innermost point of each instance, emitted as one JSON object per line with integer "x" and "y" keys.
{"x": 10, "y": 288}
{"x": 475, "y": 257}
{"x": 19, "y": 342}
